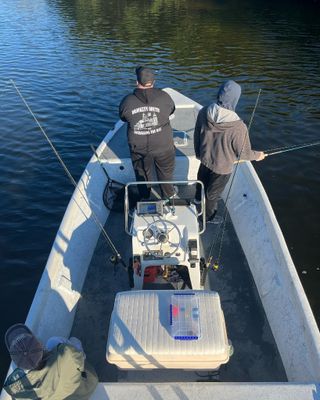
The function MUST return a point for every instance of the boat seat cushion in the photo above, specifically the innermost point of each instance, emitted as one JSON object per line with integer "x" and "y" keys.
{"x": 141, "y": 332}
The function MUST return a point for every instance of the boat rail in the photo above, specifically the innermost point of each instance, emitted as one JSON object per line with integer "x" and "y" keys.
{"x": 201, "y": 213}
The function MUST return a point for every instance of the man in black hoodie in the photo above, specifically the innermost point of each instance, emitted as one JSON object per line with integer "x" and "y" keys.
{"x": 221, "y": 138}
{"x": 150, "y": 138}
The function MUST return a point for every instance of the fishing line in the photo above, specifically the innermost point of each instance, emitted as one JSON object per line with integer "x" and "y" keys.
{"x": 222, "y": 228}
{"x": 95, "y": 218}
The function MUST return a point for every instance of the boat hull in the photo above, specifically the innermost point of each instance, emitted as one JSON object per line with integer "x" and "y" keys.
{"x": 285, "y": 303}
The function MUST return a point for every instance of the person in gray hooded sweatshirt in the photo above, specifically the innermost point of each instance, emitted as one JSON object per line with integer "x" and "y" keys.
{"x": 220, "y": 139}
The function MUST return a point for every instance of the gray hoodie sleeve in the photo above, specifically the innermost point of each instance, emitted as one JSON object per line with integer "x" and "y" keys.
{"x": 242, "y": 146}
{"x": 197, "y": 132}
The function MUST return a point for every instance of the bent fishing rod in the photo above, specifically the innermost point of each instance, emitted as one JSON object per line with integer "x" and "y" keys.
{"x": 281, "y": 150}
{"x": 296, "y": 147}
{"x": 109, "y": 242}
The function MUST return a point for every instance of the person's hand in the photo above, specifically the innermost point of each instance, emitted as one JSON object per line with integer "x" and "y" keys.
{"x": 262, "y": 156}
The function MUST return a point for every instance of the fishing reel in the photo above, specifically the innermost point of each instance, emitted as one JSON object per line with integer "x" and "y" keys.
{"x": 214, "y": 265}
{"x": 114, "y": 259}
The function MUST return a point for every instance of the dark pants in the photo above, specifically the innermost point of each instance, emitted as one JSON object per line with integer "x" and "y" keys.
{"x": 163, "y": 163}
{"x": 213, "y": 187}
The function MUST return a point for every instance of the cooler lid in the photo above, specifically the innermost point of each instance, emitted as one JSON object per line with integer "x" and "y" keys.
{"x": 142, "y": 324}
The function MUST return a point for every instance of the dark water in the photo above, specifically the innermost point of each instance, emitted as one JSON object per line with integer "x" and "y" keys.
{"x": 74, "y": 60}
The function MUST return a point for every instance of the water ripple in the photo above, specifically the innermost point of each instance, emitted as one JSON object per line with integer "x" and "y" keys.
{"x": 74, "y": 61}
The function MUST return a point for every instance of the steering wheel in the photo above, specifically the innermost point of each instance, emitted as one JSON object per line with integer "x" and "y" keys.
{"x": 158, "y": 233}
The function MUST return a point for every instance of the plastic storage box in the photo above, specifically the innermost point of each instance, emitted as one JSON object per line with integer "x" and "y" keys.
{"x": 184, "y": 316}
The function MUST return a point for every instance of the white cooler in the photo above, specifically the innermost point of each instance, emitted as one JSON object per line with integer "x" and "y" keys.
{"x": 167, "y": 329}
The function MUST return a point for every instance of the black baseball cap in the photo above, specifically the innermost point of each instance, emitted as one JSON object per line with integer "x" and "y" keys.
{"x": 145, "y": 75}
{"x": 25, "y": 349}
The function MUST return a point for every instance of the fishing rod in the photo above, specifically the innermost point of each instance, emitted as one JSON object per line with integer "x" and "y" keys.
{"x": 297, "y": 147}
{"x": 117, "y": 256}
{"x": 283, "y": 150}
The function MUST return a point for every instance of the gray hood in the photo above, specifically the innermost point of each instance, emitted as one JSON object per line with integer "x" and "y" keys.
{"x": 228, "y": 95}
{"x": 220, "y": 115}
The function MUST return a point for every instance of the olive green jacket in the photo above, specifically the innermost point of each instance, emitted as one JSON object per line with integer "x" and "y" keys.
{"x": 65, "y": 375}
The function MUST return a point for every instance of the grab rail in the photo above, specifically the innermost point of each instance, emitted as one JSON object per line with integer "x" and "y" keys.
{"x": 150, "y": 183}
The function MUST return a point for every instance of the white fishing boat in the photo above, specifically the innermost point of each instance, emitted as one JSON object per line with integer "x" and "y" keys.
{"x": 183, "y": 330}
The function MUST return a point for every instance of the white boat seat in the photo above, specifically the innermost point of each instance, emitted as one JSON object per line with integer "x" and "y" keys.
{"x": 141, "y": 337}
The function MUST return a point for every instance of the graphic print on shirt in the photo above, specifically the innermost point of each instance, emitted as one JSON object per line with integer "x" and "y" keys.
{"x": 148, "y": 124}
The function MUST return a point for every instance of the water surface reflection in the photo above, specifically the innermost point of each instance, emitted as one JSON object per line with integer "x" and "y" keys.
{"x": 75, "y": 59}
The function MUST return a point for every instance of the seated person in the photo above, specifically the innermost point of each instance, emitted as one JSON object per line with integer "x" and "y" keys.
{"x": 55, "y": 374}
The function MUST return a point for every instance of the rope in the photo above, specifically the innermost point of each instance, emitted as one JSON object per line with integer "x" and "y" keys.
{"x": 95, "y": 218}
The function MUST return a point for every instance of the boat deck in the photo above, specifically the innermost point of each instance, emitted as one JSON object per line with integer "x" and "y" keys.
{"x": 255, "y": 358}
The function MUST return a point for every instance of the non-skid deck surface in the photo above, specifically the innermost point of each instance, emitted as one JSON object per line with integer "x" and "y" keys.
{"x": 255, "y": 355}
